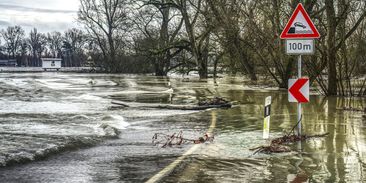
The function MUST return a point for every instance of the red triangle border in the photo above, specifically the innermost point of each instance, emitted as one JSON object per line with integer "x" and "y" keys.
{"x": 285, "y": 35}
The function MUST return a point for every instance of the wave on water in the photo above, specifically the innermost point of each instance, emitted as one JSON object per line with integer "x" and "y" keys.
{"x": 86, "y": 97}
{"x": 62, "y": 144}
{"x": 23, "y": 147}
{"x": 101, "y": 83}
{"x": 115, "y": 121}
{"x": 80, "y": 117}
{"x": 54, "y": 84}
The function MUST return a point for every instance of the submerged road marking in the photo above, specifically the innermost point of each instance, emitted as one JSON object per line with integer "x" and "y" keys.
{"x": 167, "y": 170}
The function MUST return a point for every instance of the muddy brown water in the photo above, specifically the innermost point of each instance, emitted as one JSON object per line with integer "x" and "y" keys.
{"x": 58, "y": 127}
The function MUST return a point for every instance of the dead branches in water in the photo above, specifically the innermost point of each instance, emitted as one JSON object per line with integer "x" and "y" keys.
{"x": 276, "y": 145}
{"x": 192, "y": 107}
{"x": 215, "y": 101}
{"x": 177, "y": 139}
{"x": 271, "y": 149}
{"x": 172, "y": 106}
{"x": 353, "y": 109}
{"x": 295, "y": 138}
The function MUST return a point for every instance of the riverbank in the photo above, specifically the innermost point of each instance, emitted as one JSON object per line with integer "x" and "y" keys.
{"x": 40, "y": 69}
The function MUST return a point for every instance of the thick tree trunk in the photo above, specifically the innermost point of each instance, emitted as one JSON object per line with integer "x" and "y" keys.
{"x": 331, "y": 50}
{"x": 159, "y": 68}
{"x": 163, "y": 61}
{"x": 114, "y": 65}
{"x": 202, "y": 69}
{"x": 201, "y": 66}
{"x": 344, "y": 70}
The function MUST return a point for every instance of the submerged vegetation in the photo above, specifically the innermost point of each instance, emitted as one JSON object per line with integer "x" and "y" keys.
{"x": 176, "y": 139}
{"x": 227, "y": 36}
{"x": 277, "y": 144}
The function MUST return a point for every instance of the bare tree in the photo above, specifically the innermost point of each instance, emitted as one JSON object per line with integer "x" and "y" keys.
{"x": 13, "y": 38}
{"x": 23, "y": 53}
{"x": 72, "y": 45}
{"x": 227, "y": 15}
{"x": 160, "y": 24}
{"x": 198, "y": 31}
{"x": 54, "y": 40}
{"x": 333, "y": 45}
{"x": 106, "y": 21}
{"x": 37, "y": 43}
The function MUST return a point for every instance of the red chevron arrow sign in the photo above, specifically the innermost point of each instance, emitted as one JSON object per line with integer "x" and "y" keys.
{"x": 298, "y": 90}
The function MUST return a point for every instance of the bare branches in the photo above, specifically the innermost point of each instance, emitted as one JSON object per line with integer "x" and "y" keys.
{"x": 13, "y": 37}
{"x": 277, "y": 144}
{"x": 352, "y": 30}
{"x": 176, "y": 139}
{"x": 105, "y": 19}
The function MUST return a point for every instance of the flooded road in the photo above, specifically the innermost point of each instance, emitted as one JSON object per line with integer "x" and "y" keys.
{"x": 58, "y": 127}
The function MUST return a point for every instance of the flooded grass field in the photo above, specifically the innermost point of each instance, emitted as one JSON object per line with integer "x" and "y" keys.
{"x": 62, "y": 127}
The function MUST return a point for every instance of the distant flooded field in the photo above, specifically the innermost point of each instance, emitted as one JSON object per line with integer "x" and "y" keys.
{"x": 62, "y": 127}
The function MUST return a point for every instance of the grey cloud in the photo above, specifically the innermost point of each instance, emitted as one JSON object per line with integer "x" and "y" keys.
{"x": 47, "y": 27}
{"x": 43, "y": 26}
{"x": 4, "y": 23}
{"x": 25, "y": 8}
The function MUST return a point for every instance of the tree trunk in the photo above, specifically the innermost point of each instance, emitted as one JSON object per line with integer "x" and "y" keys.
{"x": 331, "y": 50}
{"x": 344, "y": 70}
{"x": 159, "y": 67}
{"x": 201, "y": 66}
{"x": 114, "y": 66}
{"x": 163, "y": 61}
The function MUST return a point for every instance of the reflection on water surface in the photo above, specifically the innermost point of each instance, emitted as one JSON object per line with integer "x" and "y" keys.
{"x": 51, "y": 110}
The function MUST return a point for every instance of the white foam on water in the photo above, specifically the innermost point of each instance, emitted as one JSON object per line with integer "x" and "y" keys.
{"x": 116, "y": 121}
{"x": 101, "y": 83}
{"x": 21, "y": 83}
{"x": 48, "y": 107}
{"x": 86, "y": 97}
{"x": 80, "y": 116}
{"x": 53, "y": 84}
{"x": 131, "y": 83}
{"x": 127, "y": 92}
{"x": 155, "y": 112}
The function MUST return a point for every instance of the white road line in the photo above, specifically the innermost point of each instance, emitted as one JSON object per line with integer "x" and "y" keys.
{"x": 167, "y": 170}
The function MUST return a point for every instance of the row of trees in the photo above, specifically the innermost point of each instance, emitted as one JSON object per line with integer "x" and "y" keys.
{"x": 206, "y": 36}
{"x": 28, "y": 50}
{"x": 235, "y": 35}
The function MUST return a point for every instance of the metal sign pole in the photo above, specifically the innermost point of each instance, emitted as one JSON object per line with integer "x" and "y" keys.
{"x": 299, "y": 104}
{"x": 299, "y": 42}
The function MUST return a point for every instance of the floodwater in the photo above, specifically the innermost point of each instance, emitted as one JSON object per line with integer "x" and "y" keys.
{"x": 58, "y": 127}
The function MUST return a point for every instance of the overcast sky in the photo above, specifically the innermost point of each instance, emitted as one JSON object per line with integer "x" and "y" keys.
{"x": 45, "y": 15}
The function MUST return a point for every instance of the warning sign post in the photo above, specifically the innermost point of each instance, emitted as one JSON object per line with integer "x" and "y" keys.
{"x": 299, "y": 33}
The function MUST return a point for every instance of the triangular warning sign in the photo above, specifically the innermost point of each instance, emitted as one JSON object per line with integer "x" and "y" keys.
{"x": 300, "y": 25}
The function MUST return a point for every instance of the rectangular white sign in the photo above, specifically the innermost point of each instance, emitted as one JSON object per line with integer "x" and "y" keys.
{"x": 299, "y": 46}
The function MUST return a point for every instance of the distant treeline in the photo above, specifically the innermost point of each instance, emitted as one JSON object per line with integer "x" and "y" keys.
{"x": 28, "y": 49}
{"x": 74, "y": 46}
{"x": 206, "y": 36}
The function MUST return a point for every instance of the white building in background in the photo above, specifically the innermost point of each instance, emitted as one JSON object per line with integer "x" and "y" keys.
{"x": 51, "y": 63}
